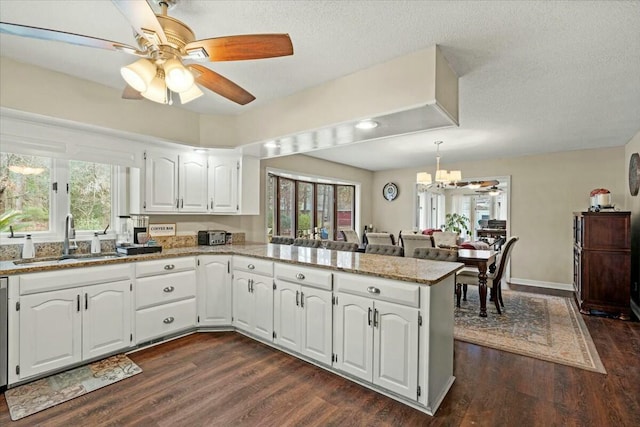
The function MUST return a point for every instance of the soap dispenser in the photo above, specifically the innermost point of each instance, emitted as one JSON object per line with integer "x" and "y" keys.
{"x": 28, "y": 250}
{"x": 95, "y": 244}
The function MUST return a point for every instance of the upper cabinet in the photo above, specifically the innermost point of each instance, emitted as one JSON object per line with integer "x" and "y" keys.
{"x": 175, "y": 182}
{"x": 178, "y": 182}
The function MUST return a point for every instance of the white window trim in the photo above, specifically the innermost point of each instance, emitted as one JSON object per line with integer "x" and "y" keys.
{"x": 316, "y": 179}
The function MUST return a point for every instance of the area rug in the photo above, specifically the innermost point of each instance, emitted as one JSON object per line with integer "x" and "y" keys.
{"x": 540, "y": 326}
{"x": 36, "y": 396}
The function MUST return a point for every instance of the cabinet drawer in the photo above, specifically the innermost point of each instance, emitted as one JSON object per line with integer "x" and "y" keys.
{"x": 381, "y": 289}
{"x": 253, "y": 265}
{"x": 164, "y": 266}
{"x": 163, "y": 289}
{"x": 73, "y": 277}
{"x": 303, "y": 275}
{"x": 165, "y": 319}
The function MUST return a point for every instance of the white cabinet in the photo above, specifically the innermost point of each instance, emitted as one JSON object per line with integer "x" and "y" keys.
{"x": 377, "y": 341}
{"x": 214, "y": 290}
{"x": 253, "y": 296}
{"x": 234, "y": 183}
{"x": 192, "y": 183}
{"x": 175, "y": 182}
{"x": 165, "y": 295}
{"x": 303, "y": 313}
{"x": 63, "y": 327}
{"x": 223, "y": 184}
{"x": 253, "y": 304}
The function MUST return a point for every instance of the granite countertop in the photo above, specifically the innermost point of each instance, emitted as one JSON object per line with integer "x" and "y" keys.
{"x": 395, "y": 268}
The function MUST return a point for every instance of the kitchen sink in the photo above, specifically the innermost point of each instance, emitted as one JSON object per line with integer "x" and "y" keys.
{"x": 35, "y": 262}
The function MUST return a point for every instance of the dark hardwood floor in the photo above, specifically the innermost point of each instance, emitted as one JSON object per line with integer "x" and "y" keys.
{"x": 226, "y": 379}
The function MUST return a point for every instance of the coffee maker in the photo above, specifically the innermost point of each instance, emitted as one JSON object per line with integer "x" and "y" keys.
{"x": 130, "y": 226}
{"x": 139, "y": 224}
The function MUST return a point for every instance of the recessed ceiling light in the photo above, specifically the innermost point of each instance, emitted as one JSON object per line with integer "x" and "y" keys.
{"x": 367, "y": 124}
{"x": 200, "y": 150}
{"x": 271, "y": 144}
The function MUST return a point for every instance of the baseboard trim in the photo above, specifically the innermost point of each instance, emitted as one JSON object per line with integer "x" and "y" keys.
{"x": 541, "y": 284}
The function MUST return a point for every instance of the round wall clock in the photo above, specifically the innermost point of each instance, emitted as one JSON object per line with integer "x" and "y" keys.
{"x": 390, "y": 191}
{"x": 634, "y": 174}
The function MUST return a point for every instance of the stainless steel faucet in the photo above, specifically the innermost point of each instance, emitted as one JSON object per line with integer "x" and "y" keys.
{"x": 69, "y": 233}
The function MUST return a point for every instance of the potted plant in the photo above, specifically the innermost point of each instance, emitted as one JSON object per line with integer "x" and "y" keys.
{"x": 456, "y": 223}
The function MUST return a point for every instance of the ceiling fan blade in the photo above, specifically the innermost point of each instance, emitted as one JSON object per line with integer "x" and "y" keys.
{"x": 251, "y": 46}
{"x": 220, "y": 85}
{"x": 142, "y": 19}
{"x": 131, "y": 93}
{"x": 61, "y": 36}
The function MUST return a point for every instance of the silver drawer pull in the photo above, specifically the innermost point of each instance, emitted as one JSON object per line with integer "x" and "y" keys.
{"x": 251, "y": 266}
{"x": 168, "y": 320}
{"x": 169, "y": 267}
{"x": 300, "y": 276}
{"x": 373, "y": 290}
{"x": 169, "y": 289}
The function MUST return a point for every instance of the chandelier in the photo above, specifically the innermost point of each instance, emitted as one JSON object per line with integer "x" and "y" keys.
{"x": 443, "y": 177}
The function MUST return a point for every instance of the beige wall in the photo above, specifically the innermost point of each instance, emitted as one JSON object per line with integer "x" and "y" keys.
{"x": 255, "y": 225}
{"x": 545, "y": 190}
{"x": 36, "y": 90}
{"x": 632, "y": 203}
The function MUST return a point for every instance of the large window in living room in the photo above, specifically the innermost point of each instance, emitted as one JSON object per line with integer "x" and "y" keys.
{"x": 309, "y": 208}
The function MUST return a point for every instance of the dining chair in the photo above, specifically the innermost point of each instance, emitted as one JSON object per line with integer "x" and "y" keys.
{"x": 390, "y": 250}
{"x": 436, "y": 254}
{"x": 342, "y": 246}
{"x": 307, "y": 243}
{"x": 410, "y": 242}
{"x": 350, "y": 236}
{"x": 445, "y": 239}
{"x": 380, "y": 239}
{"x": 281, "y": 240}
{"x": 469, "y": 275}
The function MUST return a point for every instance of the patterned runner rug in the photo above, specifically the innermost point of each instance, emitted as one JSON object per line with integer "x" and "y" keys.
{"x": 540, "y": 326}
{"x": 36, "y": 396}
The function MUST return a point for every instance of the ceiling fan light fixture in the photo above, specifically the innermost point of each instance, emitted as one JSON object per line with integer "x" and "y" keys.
{"x": 191, "y": 94}
{"x": 474, "y": 185}
{"x": 157, "y": 90}
{"x": 139, "y": 74}
{"x": 179, "y": 79}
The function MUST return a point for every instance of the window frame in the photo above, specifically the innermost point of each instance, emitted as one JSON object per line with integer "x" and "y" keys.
{"x": 60, "y": 200}
{"x": 314, "y": 181}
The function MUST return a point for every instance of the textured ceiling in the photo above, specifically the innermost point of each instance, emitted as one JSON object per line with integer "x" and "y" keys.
{"x": 534, "y": 76}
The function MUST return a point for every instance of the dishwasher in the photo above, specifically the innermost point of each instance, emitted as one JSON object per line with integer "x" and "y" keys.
{"x": 4, "y": 289}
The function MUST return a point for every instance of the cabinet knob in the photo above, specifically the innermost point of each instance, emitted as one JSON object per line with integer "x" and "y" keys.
{"x": 169, "y": 267}
{"x": 300, "y": 276}
{"x": 373, "y": 290}
{"x": 251, "y": 266}
{"x": 168, "y": 320}
{"x": 169, "y": 289}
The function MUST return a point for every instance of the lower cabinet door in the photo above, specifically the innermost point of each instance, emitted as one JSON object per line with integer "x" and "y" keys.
{"x": 242, "y": 301}
{"x": 214, "y": 291}
{"x": 395, "y": 348}
{"x": 286, "y": 315}
{"x": 354, "y": 336}
{"x": 50, "y": 331}
{"x": 316, "y": 324}
{"x": 262, "y": 291}
{"x": 166, "y": 319}
{"x": 106, "y": 318}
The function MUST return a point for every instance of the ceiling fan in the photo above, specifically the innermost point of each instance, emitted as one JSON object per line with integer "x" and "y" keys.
{"x": 164, "y": 45}
{"x": 493, "y": 190}
{"x": 477, "y": 184}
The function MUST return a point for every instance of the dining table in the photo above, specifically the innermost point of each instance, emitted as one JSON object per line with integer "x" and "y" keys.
{"x": 482, "y": 259}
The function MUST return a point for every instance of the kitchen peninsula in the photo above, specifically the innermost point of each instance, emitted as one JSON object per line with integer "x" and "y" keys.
{"x": 383, "y": 322}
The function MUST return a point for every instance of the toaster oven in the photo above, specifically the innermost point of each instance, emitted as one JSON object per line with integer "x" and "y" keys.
{"x": 212, "y": 237}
